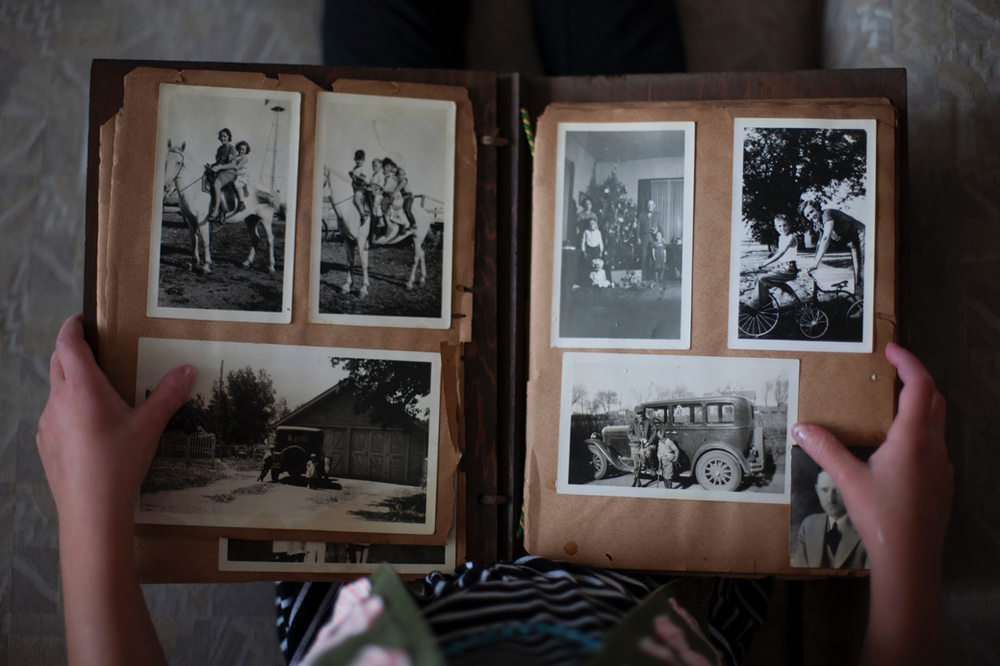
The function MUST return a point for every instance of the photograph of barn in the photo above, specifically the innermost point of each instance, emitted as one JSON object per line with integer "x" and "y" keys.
{"x": 294, "y": 437}
{"x": 351, "y": 446}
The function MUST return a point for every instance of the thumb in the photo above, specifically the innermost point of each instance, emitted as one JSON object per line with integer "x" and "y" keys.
{"x": 831, "y": 455}
{"x": 170, "y": 394}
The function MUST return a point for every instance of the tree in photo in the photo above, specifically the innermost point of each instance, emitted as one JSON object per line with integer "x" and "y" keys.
{"x": 243, "y": 408}
{"x": 604, "y": 400}
{"x": 780, "y": 165}
{"x": 673, "y": 393}
{"x": 618, "y": 221}
{"x": 781, "y": 389}
{"x": 388, "y": 390}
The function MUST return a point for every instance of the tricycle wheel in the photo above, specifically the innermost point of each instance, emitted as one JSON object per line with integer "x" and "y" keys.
{"x": 814, "y": 323}
{"x": 756, "y": 322}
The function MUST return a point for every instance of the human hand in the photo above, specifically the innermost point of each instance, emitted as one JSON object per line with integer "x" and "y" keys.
{"x": 899, "y": 501}
{"x": 96, "y": 449}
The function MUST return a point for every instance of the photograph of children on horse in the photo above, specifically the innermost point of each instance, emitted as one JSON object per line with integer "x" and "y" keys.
{"x": 228, "y": 155}
{"x": 383, "y": 212}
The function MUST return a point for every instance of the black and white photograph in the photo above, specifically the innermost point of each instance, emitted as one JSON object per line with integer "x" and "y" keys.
{"x": 285, "y": 437}
{"x": 624, "y": 214}
{"x": 802, "y": 253}
{"x": 348, "y": 558}
{"x": 383, "y": 211}
{"x": 821, "y": 535}
{"x": 223, "y": 232}
{"x": 676, "y": 427}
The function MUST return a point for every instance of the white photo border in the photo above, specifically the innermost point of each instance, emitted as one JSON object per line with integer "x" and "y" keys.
{"x": 738, "y": 230}
{"x": 157, "y": 355}
{"x": 168, "y": 93}
{"x": 684, "y": 341}
{"x": 325, "y": 103}
{"x": 671, "y": 363}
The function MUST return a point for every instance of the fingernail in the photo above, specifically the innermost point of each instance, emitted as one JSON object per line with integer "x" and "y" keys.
{"x": 189, "y": 372}
{"x": 798, "y": 432}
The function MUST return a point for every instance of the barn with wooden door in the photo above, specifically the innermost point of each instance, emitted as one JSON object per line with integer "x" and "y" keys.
{"x": 356, "y": 449}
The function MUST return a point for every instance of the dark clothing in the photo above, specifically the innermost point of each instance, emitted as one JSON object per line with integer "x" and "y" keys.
{"x": 226, "y": 154}
{"x": 268, "y": 463}
{"x": 851, "y": 233}
{"x": 578, "y": 38}
{"x": 468, "y": 611}
{"x": 649, "y": 224}
{"x": 590, "y": 37}
{"x": 395, "y": 33}
{"x": 846, "y": 229}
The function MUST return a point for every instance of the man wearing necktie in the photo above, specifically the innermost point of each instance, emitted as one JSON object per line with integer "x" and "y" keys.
{"x": 828, "y": 540}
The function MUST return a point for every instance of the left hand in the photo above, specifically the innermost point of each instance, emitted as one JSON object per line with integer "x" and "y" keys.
{"x": 96, "y": 449}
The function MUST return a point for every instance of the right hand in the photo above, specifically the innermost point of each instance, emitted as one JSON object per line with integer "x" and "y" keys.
{"x": 900, "y": 499}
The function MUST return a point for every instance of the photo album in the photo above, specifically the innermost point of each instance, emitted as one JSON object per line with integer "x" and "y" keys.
{"x": 387, "y": 373}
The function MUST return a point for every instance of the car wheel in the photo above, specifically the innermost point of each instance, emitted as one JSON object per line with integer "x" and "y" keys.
{"x": 718, "y": 470}
{"x": 598, "y": 464}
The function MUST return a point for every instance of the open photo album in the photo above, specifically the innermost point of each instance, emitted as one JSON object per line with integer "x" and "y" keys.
{"x": 420, "y": 342}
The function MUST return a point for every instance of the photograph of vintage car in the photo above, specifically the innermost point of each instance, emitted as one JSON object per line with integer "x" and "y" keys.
{"x": 638, "y": 425}
{"x": 716, "y": 443}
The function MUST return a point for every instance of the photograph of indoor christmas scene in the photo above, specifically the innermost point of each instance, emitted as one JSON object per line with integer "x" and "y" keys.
{"x": 623, "y": 230}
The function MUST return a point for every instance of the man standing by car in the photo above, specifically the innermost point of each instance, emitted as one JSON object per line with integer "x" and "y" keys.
{"x": 828, "y": 540}
{"x": 644, "y": 444}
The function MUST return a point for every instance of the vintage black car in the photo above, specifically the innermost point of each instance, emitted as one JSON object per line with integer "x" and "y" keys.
{"x": 719, "y": 440}
{"x": 292, "y": 447}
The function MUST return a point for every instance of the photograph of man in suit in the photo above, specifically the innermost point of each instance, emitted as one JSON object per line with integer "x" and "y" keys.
{"x": 828, "y": 540}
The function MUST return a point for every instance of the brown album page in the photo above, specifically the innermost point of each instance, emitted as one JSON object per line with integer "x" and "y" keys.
{"x": 848, "y": 389}
{"x": 128, "y": 176}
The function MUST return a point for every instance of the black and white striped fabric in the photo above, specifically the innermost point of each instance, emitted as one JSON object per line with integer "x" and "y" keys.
{"x": 302, "y": 609}
{"x": 736, "y": 612}
{"x": 534, "y": 611}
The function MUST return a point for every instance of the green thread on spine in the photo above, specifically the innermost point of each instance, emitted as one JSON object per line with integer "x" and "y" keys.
{"x": 526, "y": 123}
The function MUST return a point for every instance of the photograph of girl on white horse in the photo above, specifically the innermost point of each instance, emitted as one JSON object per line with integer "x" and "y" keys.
{"x": 228, "y": 157}
{"x": 383, "y": 209}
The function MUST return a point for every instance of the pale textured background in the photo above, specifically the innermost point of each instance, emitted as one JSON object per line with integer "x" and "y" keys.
{"x": 951, "y": 49}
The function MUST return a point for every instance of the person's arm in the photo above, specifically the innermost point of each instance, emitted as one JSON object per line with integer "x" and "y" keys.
{"x": 400, "y": 186}
{"x": 824, "y": 241}
{"x": 899, "y": 502}
{"x": 785, "y": 243}
{"x": 95, "y": 450}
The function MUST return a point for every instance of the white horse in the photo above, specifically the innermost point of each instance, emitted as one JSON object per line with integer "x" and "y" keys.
{"x": 355, "y": 231}
{"x": 261, "y": 207}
